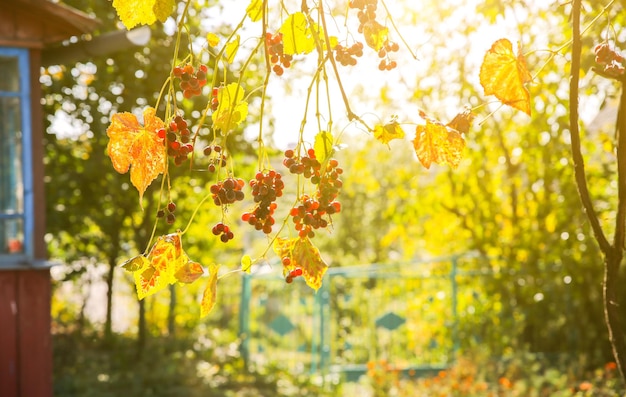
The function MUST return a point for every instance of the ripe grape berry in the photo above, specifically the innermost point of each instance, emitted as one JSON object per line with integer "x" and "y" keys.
{"x": 313, "y": 212}
{"x": 278, "y": 59}
{"x": 191, "y": 80}
{"x": 266, "y": 188}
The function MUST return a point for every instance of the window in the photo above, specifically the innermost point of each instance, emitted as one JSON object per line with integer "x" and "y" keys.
{"x": 16, "y": 201}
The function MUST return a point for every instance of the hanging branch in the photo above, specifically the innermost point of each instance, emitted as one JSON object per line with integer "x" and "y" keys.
{"x": 614, "y": 253}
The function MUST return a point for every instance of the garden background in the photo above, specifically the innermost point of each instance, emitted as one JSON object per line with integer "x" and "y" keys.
{"x": 480, "y": 280}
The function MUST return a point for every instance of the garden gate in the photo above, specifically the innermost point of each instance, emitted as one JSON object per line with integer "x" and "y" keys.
{"x": 405, "y": 314}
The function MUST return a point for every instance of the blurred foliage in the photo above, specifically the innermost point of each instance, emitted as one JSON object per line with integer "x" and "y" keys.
{"x": 180, "y": 367}
{"x": 476, "y": 374}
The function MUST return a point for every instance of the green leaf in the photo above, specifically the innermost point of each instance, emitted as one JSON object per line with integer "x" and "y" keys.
{"x": 323, "y": 145}
{"x": 297, "y": 35}
{"x": 231, "y": 49}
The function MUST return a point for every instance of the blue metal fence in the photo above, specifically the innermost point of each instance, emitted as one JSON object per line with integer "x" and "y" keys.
{"x": 405, "y": 313}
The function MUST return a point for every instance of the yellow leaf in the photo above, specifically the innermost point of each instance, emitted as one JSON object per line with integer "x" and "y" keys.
{"x": 375, "y": 34}
{"x": 437, "y": 143}
{"x": 504, "y": 75}
{"x": 232, "y": 109}
{"x": 143, "y": 12}
{"x": 323, "y": 145}
{"x": 210, "y": 293}
{"x": 137, "y": 147}
{"x": 246, "y": 263}
{"x": 303, "y": 255}
{"x": 212, "y": 39}
{"x": 298, "y": 35}
{"x": 231, "y": 49}
{"x": 386, "y": 133}
{"x": 255, "y": 10}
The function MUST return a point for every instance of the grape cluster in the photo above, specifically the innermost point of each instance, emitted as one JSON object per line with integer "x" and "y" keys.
{"x": 227, "y": 191}
{"x": 367, "y": 11}
{"x": 222, "y": 230}
{"x": 171, "y": 208}
{"x": 313, "y": 212}
{"x": 178, "y": 139}
{"x": 609, "y": 59}
{"x": 266, "y": 188}
{"x": 347, "y": 55}
{"x": 278, "y": 59}
{"x": 217, "y": 157}
{"x": 386, "y": 63}
{"x": 191, "y": 80}
{"x": 306, "y": 165}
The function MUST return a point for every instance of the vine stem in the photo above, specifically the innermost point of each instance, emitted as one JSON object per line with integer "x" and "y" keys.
{"x": 613, "y": 253}
{"x": 351, "y": 115}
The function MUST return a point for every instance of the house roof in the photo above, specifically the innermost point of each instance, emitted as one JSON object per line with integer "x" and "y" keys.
{"x": 38, "y": 23}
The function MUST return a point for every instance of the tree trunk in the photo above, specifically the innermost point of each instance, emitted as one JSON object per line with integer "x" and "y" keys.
{"x": 171, "y": 317}
{"x": 612, "y": 312}
{"x": 108, "y": 323}
{"x": 141, "y": 328}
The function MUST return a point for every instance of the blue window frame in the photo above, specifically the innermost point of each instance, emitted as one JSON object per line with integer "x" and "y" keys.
{"x": 16, "y": 185}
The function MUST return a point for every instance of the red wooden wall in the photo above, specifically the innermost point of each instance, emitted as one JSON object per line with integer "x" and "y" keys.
{"x": 25, "y": 340}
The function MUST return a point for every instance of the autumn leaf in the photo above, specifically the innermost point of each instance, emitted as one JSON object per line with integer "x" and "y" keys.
{"x": 438, "y": 143}
{"x": 303, "y": 255}
{"x": 462, "y": 121}
{"x": 134, "y": 264}
{"x": 232, "y": 109}
{"x": 323, "y": 145}
{"x": 391, "y": 130}
{"x": 298, "y": 34}
{"x": 210, "y": 293}
{"x": 137, "y": 147}
{"x": 143, "y": 12}
{"x": 255, "y": 10}
{"x": 166, "y": 263}
{"x": 189, "y": 272}
{"x": 504, "y": 75}
{"x": 375, "y": 34}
